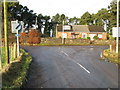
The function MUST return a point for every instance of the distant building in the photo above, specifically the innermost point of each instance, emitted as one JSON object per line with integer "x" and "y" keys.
{"x": 83, "y": 31}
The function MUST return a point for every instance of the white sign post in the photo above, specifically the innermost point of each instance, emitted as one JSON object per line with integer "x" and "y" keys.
{"x": 18, "y": 46}
{"x": 16, "y": 27}
{"x": 115, "y": 32}
{"x": 64, "y": 35}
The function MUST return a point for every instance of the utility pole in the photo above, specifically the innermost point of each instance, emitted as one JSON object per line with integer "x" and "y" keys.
{"x": 63, "y": 33}
{"x": 117, "y": 38}
{"x": 6, "y": 32}
{"x": 0, "y": 45}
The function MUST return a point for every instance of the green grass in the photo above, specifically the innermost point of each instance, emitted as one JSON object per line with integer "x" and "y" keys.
{"x": 15, "y": 74}
{"x": 3, "y": 61}
{"x": 79, "y": 44}
{"x": 111, "y": 56}
{"x": 3, "y": 55}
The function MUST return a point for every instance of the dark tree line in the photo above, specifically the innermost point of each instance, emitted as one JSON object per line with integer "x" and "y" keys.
{"x": 22, "y": 13}
{"x": 19, "y": 12}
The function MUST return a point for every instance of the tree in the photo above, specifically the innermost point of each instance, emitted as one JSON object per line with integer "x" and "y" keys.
{"x": 40, "y": 22}
{"x": 46, "y": 18}
{"x": 74, "y": 21}
{"x": 112, "y": 8}
{"x": 86, "y": 19}
{"x": 62, "y": 17}
{"x": 56, "y": 18}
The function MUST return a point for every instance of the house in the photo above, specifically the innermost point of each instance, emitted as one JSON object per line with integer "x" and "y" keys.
{"x": 81, "y": 31}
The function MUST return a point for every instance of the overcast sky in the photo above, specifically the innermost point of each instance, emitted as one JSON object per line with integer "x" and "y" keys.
{"x": 70, "y": 8}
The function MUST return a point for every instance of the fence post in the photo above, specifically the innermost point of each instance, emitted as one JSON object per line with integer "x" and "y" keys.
{"x": 14, "y": 51}
{"x": 110, "y": 48}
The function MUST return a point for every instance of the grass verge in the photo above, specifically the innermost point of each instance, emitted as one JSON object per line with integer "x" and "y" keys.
{"x": 14, "y": 75}
{"x": 3, "y": 61}
{"x": 79, "y": 44}
{"x": 111, "y": 56}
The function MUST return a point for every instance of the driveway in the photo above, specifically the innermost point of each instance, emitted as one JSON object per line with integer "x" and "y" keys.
{"x": 70, "y": 67}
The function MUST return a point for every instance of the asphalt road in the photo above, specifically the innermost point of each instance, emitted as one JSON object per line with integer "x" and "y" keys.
{"x": 70, "y": 67}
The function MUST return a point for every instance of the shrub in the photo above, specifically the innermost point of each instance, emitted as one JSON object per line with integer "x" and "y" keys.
{"x": 36, "y": 40}
{"x": 30, "y": 40}
{"x": 80, "y": 38}
{"x": 23, "y": 37}
{"x": 95, "y": 37}
{"x": 33, "y": 37}
{"x": 88, "y": 38}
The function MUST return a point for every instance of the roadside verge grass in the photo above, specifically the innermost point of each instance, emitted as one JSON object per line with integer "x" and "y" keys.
{"x": 111, "y": 56}
{"x": 79, "y": 44}
{"x": 14, "y": 75}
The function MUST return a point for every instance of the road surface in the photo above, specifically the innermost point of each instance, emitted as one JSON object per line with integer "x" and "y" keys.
{"x": 70, "y": 67}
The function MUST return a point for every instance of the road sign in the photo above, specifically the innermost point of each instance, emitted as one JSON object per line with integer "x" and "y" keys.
{"x": 17, "y": 26}
{"x": 64, "y": 35}
{"x": 17, "y": 34}
{"x": 115, "y": 32}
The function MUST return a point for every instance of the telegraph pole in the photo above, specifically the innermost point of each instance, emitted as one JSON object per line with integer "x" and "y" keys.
{"x": 117, "y": 38}
{"x": 6, "y": 32}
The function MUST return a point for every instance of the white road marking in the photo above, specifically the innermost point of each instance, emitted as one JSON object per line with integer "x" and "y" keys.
{"x": 83, "y": 68}
{"x": 65, "y": 53}
{"x": 77, "y": 63}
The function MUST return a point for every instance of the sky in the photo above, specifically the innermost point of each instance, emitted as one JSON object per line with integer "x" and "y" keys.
{"x": 70, "y": 8}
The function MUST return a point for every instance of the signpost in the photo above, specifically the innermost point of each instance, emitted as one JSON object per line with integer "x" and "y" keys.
{"x": 17, "y": 26}
{"x": 64, "y": 35}
{"x": 115, "y": 32}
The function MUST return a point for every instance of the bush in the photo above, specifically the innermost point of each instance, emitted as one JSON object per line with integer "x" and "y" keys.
{"x": 80, "y": 38}
{"x": 96, "y": 37}
{"x": 88, "y": 38}
{"x": 23, "y": 37}
{"x": 33, "y": 37}
{"x": 36, "y": 40}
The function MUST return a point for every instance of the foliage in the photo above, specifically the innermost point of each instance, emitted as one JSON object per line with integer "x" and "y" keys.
{"x": 15, "y": 74}
{"x": 86, "y": 19}
{"x": 3, "y": 61}
{"x": 23, "y": 37}
{"x": 95, "y": 37}
{"x": 111, "y": 56}
{"x": 3, "y": 55}
{"x": 23, "y": 13}
{"x": 88, "y": 38}
{"x": 36, "y": 40}
{"x": 80, "y": 38}
{"x": 33, "y": 37}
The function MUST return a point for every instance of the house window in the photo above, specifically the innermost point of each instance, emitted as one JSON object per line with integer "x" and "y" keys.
{"x": 73, "y": 37}
{"x": 100, "y": 35}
